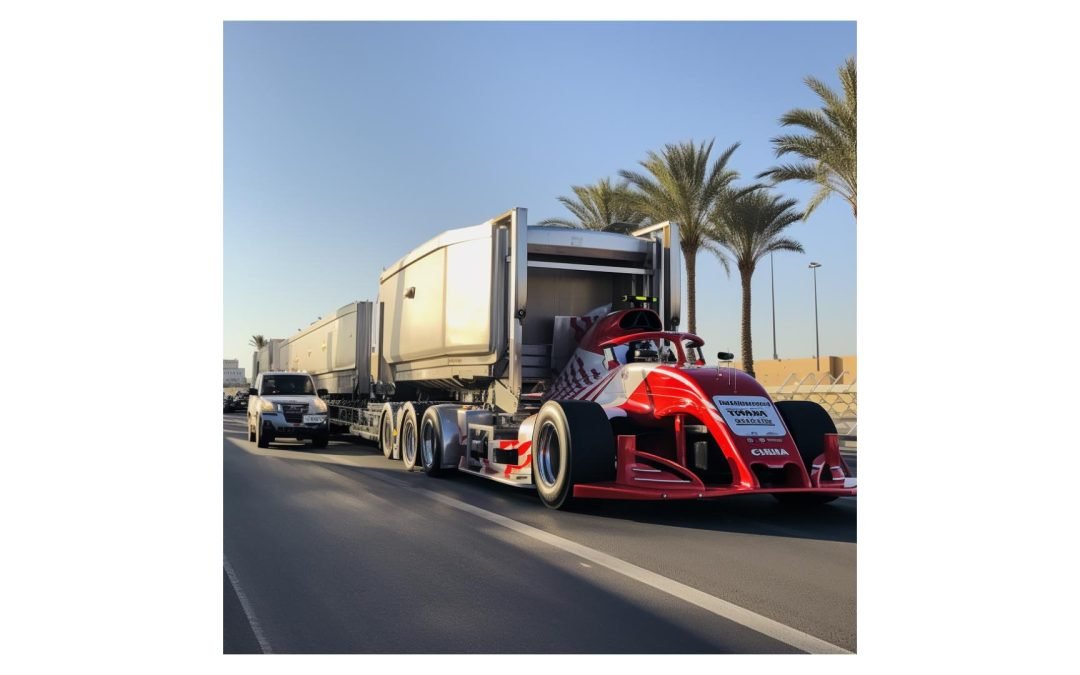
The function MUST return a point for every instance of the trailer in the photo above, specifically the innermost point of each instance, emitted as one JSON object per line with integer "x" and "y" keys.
{"x": 550, "y": 358}
{"x": 265, "y": 358}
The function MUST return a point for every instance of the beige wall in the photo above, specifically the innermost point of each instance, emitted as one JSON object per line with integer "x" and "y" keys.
{"x": 773, "y": 373}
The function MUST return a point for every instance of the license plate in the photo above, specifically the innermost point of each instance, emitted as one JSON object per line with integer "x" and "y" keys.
{"x": 313, "y": 419}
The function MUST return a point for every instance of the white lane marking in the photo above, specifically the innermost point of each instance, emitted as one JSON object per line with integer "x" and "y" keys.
{"x": 722, "y": 608}
{"x": 264, "y": 644}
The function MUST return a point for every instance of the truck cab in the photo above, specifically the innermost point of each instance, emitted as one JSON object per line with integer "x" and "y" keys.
{"x": 287, "y": 405}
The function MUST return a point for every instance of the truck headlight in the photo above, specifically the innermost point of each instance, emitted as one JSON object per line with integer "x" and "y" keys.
{"x": 268, "y": 406}
{"x": 318, "y": 406}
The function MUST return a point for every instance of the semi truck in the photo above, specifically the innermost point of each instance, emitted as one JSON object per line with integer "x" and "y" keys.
{"x": 550, "y": 358}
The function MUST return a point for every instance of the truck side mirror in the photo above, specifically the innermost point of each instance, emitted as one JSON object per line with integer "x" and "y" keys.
{"x": 321, "y": 392}
{"x": 253, "y": 392}
{"x": 725, "y": 356}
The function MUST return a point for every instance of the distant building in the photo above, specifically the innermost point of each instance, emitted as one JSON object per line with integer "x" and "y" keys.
{"x": 233, "y": 375}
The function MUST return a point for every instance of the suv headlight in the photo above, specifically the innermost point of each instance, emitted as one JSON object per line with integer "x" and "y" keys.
{"x": 318, "y": 406}
{"x": 268, "y": 406}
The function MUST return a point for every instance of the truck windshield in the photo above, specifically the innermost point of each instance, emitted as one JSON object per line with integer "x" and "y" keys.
{"x": 287, "y": 384}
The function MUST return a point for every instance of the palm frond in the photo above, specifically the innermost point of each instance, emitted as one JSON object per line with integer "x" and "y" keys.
{"x": 784, "y": 244}
{"x": 559, "y": 222}
{"x": 823, "y": 193}
{"x": 597, "y": 206}
{"x": 721, "y": 256}
{"x": 749, "y": 223}
{"x": 681, "y": 185}
{"x": 778, "y": 174}
{"x": 830, "y": 146}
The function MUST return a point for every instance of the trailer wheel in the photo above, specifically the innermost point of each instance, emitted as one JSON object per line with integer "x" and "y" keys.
{"x": 808, "y": 423}
{"x": 431, "y": 442}
{"x": 409, "y": 436}
{"x": 386, "y": 434}
{"x": 572, "y": 443}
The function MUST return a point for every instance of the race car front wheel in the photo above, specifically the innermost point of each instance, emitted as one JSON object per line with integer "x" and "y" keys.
{"x": 572, "y": 443}
{"x": 808, "y": 423}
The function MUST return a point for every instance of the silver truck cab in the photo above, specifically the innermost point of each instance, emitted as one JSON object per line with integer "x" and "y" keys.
{"x": 287, "y": 405}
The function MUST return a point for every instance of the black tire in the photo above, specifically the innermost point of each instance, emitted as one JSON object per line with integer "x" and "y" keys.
{"x": 572, "y": 443}
{"x": 807, "y": 422}
{"x": 431, "y": 442}
{"x": 251, "y": 432}
{"x": 409, "y": 435}
{"x": 386, "y": 434}
{"x": 261, "y": 438}
{"x": 320, "y": 441}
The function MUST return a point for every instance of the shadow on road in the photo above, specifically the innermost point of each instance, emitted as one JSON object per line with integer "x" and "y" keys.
{"x": 333, "y": 573}
{"x": 745, "y": 514}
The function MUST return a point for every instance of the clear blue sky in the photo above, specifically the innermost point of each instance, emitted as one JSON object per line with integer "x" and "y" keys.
{"x": 348, "y": 144}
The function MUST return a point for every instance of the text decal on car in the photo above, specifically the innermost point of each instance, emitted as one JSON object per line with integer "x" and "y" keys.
{"x": 750, "y": 415}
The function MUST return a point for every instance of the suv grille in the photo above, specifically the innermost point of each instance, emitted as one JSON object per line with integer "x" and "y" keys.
{"x": 294, "y": 412}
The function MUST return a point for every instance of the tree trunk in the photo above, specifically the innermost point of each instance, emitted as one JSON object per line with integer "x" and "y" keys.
{"x": 690, "y": 258}
{"x": 747, "y": 347}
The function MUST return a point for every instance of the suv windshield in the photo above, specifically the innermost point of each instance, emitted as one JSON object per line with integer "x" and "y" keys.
{"x": 287, "y": 384}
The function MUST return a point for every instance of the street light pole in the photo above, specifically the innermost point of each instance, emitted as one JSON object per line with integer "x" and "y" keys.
{"x": 817, "y": 343}
{"x": 772, "y": 289}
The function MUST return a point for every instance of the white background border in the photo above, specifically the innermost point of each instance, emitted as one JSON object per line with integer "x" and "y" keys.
{"x": 111, "y": 211}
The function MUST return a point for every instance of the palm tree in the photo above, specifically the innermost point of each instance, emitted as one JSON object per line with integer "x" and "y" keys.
{"x": 682, "y": 187}
{"x": 749, "y": 225}
{"x": 829, "y": 149}
{"x": 258, "y": 341}
{"x": 598, "y": 206}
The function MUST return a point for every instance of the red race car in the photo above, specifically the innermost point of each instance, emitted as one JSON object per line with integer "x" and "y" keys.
{"x": 637, "y": 414}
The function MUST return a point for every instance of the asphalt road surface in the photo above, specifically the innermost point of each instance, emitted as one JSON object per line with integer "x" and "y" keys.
{"x": 343, "y": 551}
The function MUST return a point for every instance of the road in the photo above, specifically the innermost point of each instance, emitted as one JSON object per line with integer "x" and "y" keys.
{"x": 342, "y": 551}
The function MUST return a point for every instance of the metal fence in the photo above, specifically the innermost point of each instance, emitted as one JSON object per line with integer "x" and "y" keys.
{"x": 840, "y": 400}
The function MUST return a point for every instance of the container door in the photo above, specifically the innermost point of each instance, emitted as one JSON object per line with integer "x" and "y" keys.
{"x": 666, "y": 271}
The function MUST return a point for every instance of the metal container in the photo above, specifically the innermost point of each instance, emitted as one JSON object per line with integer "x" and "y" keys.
{"x": 266, "y": 358}
{"x": 478, "y": 305}
{"x": 335, "y": 350}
